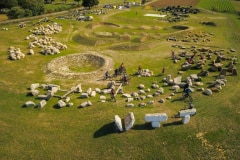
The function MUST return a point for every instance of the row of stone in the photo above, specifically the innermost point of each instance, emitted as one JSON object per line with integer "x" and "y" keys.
{"x": 48, "y": 29}
{"x": 155, "y": 119}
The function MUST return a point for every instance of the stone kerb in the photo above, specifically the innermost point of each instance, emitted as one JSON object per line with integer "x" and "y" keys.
{"x": 60, "y": 67}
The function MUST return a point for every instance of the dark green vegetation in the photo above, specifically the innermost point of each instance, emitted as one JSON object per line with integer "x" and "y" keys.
{"x": 88, "y": 133}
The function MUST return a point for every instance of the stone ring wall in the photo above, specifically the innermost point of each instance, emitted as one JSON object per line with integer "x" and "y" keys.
{"x": 61, "y": 67}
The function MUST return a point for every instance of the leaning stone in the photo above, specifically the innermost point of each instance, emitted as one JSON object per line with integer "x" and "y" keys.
{"x": 61, "y": 104}
{"x": 129, "y": 121}
{"x": 29, "y": 104}
{"x": 34, "y": 86}
{"x": 118, "y": 123}
{"x": 130, "y": 105}
{"x": 186, "y": 119}
{"x": 185, "y": 112}
{"x": 42, "y": 103}
{"x": 208, "y": 92}
{"x": 84, "y": 95}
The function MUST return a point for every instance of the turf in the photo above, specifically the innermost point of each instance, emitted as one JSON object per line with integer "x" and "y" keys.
{"x": 89, "y": 133}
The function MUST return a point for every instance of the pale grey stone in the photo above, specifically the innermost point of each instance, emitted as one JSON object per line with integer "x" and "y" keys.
{"x": 186, "y": 119}
{"x": 155, "y": 124}
{"x": 187, "y": 112}
{"x": 41, "y": 104}
{"x": 129, "y": 121}
{"x": 84, "y": 95}
{"x": 61, "y": 103}
{"x": 208, "y": 92}
{"x": 130, "y": 105}
{"x": 29, "y": 104}
{"x": 156, "y": 117}
{"x": 161, "y": 100}
{"x": 126, "y": 95}
{"x": 118, "y": 123}
{"x": 141, "y": 86}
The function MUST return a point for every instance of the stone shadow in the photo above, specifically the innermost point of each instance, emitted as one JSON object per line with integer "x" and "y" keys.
{"x": 146, "y": 126}
{"x": 106, "y": 130}
{"x": 172, "y": 124}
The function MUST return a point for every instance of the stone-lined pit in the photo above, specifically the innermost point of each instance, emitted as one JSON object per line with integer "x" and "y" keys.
{"x": 87, "y": 66}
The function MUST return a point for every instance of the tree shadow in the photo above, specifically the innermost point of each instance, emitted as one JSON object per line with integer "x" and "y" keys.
{"x": 146, "y": 126}
{"x": 106, "y": 129}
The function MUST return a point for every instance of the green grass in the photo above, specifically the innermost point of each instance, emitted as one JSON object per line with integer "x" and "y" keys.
{"x": 88, "y": 133}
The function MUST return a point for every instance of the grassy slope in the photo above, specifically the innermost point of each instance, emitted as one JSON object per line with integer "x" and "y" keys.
{"x": 72, "y": 133}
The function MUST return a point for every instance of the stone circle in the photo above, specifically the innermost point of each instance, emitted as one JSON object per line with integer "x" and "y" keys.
{"x": 61, "y": 67}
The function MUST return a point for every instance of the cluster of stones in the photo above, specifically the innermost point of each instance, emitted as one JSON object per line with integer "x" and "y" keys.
{"x": 199, "y": 58}
{"x": 192, "y": 37}
{"x": 15, "y": 53}
{"x": 145, "y": 73}
{"x": 178, "y": 13}
{"x": 48, "y": 29}
{"x": 5, "y": 29}
{"x": 48, "y": 44}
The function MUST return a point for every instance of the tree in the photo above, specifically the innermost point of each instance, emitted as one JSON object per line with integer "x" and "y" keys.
{"x": 78, "y": 1}
{"x": 8, "y": 3}
{"x": 36, "y": 6}
{"x": 16, "y": 12}
{"x": 89, "y": 3}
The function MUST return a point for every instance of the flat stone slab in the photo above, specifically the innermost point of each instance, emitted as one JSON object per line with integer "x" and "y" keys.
{"x": 190, "y": 112}
{"x": 156, "y": 117}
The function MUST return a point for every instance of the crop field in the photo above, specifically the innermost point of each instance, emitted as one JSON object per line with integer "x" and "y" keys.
{"x": 217, "y": 5}
{"x": 78, "y": 53}
{"x": 164, "y": 3}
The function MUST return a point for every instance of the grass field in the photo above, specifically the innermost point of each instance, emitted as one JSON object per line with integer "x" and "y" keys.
{"x": 88, "y": 133}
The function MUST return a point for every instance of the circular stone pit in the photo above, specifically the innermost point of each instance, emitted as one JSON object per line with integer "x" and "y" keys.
{"x": 87, "y": 66}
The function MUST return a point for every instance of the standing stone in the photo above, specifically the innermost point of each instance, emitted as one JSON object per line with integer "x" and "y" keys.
{"x": 186, "y": 119}
{"x": 129, "y": 121}
{"x": 61, "y": 104}
{"x": 234, "y": 72}
{"x": 118, "y": 123}
{"x": 93, "y": 94}
{"x": 42, "y": 103}
{"x": 89, "y": 91}
{"x": 79, "y": 88}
